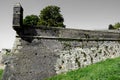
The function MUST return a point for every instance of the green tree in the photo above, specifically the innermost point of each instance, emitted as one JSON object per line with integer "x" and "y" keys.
{"x": 111, "y": 27}
{"x": 31, "y": 20}
{"x": 50, "y": 16}
{"x": 115, "y": 26}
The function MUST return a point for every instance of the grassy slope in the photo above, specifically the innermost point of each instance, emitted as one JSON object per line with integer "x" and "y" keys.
{"x": 1, "y": 71}
{"x": 105, "y": 70}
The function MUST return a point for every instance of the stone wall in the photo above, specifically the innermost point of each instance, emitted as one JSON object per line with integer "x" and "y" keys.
{"x": 3, "y": 54}
{"x": 41, "y": 52}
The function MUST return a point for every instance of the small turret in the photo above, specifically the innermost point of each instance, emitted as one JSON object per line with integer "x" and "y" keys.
{"x": 17, "y": 16}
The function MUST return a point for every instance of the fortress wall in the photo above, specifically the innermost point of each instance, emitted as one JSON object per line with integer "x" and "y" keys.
{"x": 39, "y": 53}
{"x": 69, "y": 33}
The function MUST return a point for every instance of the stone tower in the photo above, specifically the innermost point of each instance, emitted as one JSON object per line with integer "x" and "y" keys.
{"x": 17, "y": 16}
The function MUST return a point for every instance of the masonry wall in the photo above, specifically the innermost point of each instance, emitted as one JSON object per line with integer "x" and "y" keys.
{"x": 41, "y": 52}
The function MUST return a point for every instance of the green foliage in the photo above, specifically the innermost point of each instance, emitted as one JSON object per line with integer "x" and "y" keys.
{"x": 50, "y": 16}
{"x": 111, "y": 27}
{"x": 30, "y": 20}
{"x": 116, "y": 26}
{"x": 1, "y": 72}
{"x": 105, "y": 70}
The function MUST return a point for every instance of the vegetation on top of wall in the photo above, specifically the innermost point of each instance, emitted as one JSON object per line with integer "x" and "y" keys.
{"x": 31, "y": 20}
{"x": 115, "y": 26}
{"x": 50, "y": 16}
{"x": 105, "y": 70}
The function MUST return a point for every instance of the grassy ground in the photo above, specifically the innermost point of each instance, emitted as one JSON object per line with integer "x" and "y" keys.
{"x": 1, "y": 71}
{"x": 105, "y": 70}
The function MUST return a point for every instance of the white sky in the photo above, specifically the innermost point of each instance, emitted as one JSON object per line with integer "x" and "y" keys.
{"x": 79, "y": 14}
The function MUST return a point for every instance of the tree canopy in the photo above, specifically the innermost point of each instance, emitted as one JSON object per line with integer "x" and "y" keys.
{"x": 115, "y": 26}
{"x": 50, "y": 16}
{"x": 31, "y": 20}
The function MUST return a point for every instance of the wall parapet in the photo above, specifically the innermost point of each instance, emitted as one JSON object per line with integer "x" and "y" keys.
{"x": 71, "y": 39}
{"x": 68, "y": 34}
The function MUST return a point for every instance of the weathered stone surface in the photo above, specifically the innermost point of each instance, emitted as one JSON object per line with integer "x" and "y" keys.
{"x": 4, "y": 53}
{"x": 79, "y": 57}
{"x": 39, "y": 55}
{"x": 41, "y": 52}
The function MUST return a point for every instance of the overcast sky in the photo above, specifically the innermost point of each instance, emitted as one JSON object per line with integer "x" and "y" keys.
{"x": 79, "y": 14}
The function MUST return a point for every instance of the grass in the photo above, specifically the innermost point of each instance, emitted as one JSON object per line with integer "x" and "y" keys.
{"x": 1, "y": 72}
{"x": 105, "y": 70}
